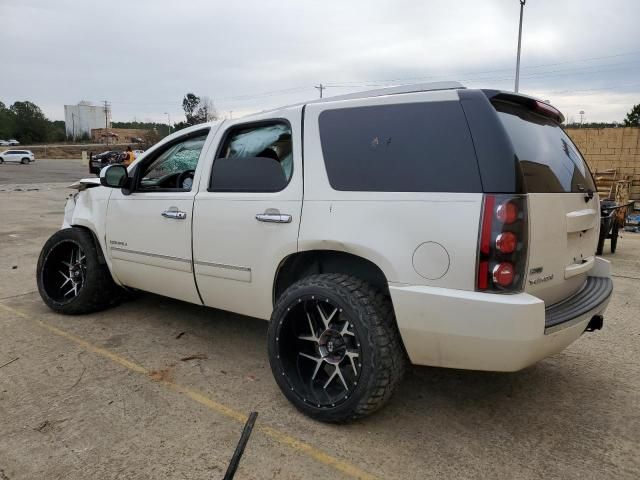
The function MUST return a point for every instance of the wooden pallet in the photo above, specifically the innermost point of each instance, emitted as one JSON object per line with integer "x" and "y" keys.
{"x": 605, "y": 181}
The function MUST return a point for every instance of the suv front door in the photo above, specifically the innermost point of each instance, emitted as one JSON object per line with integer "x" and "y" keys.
{"x": 149, "y": 230}
{"x": 247, "y": 213}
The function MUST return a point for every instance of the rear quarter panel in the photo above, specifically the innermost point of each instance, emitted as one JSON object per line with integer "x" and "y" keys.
{"x": 388, "y": 228}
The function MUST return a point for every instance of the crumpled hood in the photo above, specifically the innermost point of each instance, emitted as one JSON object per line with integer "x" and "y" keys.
{"x": 85, "y": 183}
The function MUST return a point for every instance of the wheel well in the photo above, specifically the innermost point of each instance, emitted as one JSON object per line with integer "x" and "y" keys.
{"x": 101, "y": 258}
{"x": 304, "y": 264}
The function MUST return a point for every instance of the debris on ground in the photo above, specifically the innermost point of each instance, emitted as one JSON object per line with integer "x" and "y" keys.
{"x": 162, "y": 375}
{"x": 197, "y": 356}
{"x": 9, "y": 362}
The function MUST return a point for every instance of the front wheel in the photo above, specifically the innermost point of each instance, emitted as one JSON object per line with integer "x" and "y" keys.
{"x": 1, "y": 160}
{"x": 71, "y": 277}
{"x": 334, "y": 347}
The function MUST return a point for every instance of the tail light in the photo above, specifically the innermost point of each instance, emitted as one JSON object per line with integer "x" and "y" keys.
{"x": 502, "y": 244}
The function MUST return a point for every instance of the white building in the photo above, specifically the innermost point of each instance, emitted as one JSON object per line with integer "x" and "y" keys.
{"x": 81, "y": 118}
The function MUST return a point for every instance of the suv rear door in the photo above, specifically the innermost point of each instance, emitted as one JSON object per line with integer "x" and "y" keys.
{"x": 563, "y": 206}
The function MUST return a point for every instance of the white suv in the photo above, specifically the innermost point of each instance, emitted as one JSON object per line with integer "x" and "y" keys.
{"x": 18, "y": 156}
{"x": 429, "y": 223}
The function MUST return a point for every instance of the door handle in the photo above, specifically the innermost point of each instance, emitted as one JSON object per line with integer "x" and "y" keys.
{"x": 273, "y": 217}
{"x": 174, "y": 213}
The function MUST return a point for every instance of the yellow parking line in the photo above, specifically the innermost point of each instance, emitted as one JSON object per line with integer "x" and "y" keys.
{"x": 273, "y": 433}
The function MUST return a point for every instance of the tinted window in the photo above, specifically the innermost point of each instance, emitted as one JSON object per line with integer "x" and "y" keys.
{"x": 549, "y": 161}
{"x": 269, "y": 142}
{"x": 417, "y": 147}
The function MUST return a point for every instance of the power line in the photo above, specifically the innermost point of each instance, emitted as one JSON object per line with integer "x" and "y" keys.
{"x": 477, "y": 77}
{"x": 481, "y": 72}
{"x": 472, "y": 77}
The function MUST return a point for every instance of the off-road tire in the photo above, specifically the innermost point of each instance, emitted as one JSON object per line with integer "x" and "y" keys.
{"x": 98, "y": 291}
{"x": 383, "y": 356}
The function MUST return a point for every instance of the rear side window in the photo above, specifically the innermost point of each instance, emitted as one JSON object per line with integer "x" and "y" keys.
{"x": 254, "y": 158}
{"x": 416, "y": 147}
{"x": 549, "y": 161}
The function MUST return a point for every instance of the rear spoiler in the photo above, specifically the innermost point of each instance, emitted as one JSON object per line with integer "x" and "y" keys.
{"x": 528, "y": 102}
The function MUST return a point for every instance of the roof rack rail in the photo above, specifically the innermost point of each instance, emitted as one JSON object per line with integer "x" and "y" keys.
{"x": 411, "y": 88}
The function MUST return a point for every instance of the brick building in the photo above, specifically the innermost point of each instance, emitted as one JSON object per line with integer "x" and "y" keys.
{"x": 118, "y": 135}
{"x": 609, "y": 148}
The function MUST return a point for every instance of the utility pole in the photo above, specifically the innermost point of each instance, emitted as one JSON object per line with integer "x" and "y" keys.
{"x": 522, "y": 2}
{"x": 106, "y": 119}
{"x": 73, "y": 123}
{"x": 168, "y": 121}
{"x": 320, "y": 88}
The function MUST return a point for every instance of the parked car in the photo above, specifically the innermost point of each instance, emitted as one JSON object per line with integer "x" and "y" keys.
{"x": 13, "y": 142}
{"x": 97, "y": 162}
{"x": 4, "y": 143}
{"x": 18, "y": 156}
{"x": 428, "y": 224}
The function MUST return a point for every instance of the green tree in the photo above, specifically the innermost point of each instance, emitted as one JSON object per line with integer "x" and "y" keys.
{"x": 30, "y": 123}
{"x": 198, "y": 109}
{"x": 57, "y": 132}
{"x": 7, "y": 123}
{"x": 190, "y": 104}
{"x": 206, "y": 110}
{"x": 179, "y": 126}
{"x": 633, "y": 117}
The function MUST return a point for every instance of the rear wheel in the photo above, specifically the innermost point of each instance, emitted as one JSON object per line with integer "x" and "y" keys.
{"x": 24, "y": 161}
{"x": 1, "y": 160}
{"x": 71, "y": 277}
{"x": 334, "y": 347}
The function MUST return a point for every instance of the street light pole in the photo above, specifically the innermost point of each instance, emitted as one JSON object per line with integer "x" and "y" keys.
{"x": 168, "y": 121}
{"x": 522, "y": 2}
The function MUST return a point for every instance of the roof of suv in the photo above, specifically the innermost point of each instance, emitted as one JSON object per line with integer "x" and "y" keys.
{"x": 379, "y": 92}
{"x": 411, "y": 88}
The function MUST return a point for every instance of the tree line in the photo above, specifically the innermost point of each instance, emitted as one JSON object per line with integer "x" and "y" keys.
{"x": 25, "y": 122}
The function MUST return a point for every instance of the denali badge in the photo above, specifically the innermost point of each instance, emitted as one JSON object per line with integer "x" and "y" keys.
{"x": 538, "y": 280}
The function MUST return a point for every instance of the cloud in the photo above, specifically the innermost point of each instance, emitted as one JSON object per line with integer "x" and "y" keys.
{"x": 143, "y": 56}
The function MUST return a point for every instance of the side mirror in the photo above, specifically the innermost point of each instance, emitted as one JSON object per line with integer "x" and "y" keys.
{"x": 114, "y": 176}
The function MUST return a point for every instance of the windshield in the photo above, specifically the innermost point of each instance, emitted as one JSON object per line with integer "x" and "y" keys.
{"x": 549, "y": 160}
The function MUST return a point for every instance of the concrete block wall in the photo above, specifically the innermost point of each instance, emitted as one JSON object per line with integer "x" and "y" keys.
{"x": 606, "y": 148}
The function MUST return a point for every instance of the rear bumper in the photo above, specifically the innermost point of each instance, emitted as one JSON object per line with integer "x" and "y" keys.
{"x": 483, "y": 331}
{"x": 592, "y": 295}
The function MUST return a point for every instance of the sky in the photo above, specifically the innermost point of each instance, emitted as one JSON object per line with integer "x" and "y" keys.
{"x": 143, "y": 56}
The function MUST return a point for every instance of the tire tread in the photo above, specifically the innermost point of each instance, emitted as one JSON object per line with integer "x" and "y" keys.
{"x": 376, "y": 310}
